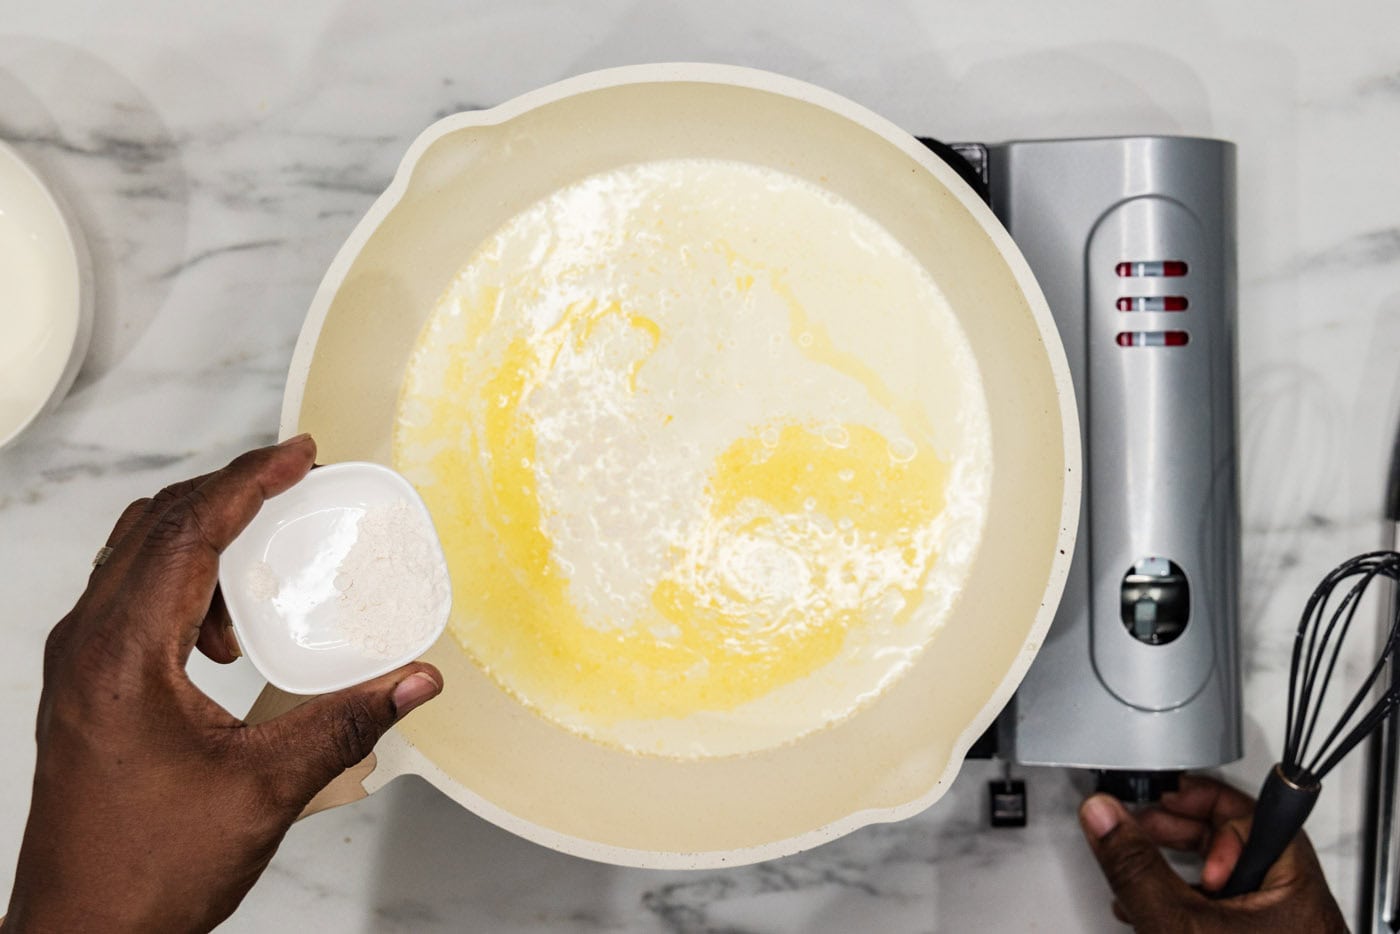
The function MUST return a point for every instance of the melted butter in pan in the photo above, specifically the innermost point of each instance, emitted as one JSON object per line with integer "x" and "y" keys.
{"x": 686, "y": 511}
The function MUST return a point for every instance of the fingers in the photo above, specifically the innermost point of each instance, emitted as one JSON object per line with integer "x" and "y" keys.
{"x": 1174, "y": 831}
{"x": 130, "y": 516}
{"x": 216, "y": 639}
{"x": 1224, "y": 852}
{"x": 213, "y": 512}
{"x": 1118, "y": 913}
{"x": 315, "y": 742}
{"x": 1298, "y": 859}
{"x": 1146, "y": 888}
{"x": 135, "y": 523}
{"x": 177, "y": 564}
{"x": 1297, "y": 864}
{"x": 1209, "y": 800}
{"x": 1225, "y": 810}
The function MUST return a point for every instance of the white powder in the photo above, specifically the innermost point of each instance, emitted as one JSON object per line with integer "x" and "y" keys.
{"x": 390, "y": 588}
{"x": 392, "y": 584}
{"x": 262, "y": 581}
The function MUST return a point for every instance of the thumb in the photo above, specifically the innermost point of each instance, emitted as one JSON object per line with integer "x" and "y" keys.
{"x": 1145, "y": 886}
{"x": 316, "y": 741}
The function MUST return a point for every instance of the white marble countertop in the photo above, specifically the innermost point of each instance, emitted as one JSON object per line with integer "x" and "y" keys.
{"x": 217, "y": 160}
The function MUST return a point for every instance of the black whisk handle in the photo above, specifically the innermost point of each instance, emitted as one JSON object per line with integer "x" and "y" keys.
{"x": 1285, "y": 801}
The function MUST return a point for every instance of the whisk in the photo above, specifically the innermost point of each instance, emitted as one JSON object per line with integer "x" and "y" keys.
{"x": 1293, "y": 784}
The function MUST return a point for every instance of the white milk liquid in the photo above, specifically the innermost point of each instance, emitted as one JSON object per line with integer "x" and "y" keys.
{"x": 708, "y": 453}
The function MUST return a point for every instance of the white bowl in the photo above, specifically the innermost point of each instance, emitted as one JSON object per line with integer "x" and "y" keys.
{"x": 292, "y": 630}
{"x": 45, "y": 311}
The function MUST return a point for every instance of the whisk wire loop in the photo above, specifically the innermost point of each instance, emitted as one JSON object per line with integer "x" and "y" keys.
{"x": 1293, "y": 784}
{"x": 1343, "y": 618}
{"x": 1317, "y": 647}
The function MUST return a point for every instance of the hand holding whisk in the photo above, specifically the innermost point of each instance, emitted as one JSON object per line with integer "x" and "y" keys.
{"x": 1293, "y": 784}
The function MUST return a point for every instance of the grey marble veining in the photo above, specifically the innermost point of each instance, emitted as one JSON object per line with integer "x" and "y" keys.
{"x": 216, "y": 159}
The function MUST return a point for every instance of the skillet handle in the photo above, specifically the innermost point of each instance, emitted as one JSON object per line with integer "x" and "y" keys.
{"x": 347, "y": 787}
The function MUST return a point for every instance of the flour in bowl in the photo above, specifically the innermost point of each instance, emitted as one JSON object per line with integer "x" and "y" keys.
{"x": 388, "y": 586}
{"x": 262, "y": 581}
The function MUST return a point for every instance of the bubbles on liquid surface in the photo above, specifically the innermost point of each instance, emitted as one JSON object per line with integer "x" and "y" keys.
{"x": 902, "y": 450}
{"x": 836, "y": 436}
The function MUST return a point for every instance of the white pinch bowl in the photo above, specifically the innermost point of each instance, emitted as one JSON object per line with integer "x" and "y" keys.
{"x": 302, "y": 535}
